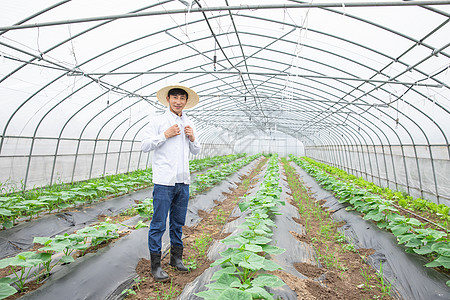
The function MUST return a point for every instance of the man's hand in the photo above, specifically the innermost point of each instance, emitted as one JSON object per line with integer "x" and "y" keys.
{"x": 189, "y": 133}
{"x": 172, "y": 131}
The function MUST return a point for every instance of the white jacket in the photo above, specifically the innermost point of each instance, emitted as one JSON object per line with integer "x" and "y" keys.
{"x": 170, "y": 154}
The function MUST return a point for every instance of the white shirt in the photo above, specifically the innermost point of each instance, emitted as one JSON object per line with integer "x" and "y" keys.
{"x": 170, "y": 163}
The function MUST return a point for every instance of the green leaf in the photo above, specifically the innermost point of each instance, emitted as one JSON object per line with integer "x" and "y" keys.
{"x": 25, "y": 260}
{"x": 220, "y": 261}
{"x": 253, "y": 248}
{"x": 244, "y": 205}
{"x": 140, "y": 225}
{"x": 42, "y": 240}
{"x": 106, "y": 189}
{"x": 66, "y": 259}
{"x": 235, "y": 240}
{"x": 5, "y": 212}
{"x": 230, "y": 252}
{"x": 8, "y": 224}
{"x": 209, "y": 294}
{"x": 57, "y": 246}
{"x": 227, "y": 270}
{"x": 235, "y": 295}
{"x": 424, "y": 250}
{"x": 43, "y": 256}
{"x": 405, "y": 238}
{"x": 270, "y": 265}
{"x": 430, "y": 233}
{"x": 261, "y": 240}
{"x": 4, "y": 262}
{"x": 6, "y": 290}
{"x": 442, "y": 248}
{"x": 274, "y": 250}
{"x": 374, "y": 215}
{"x": 224, "y": 282}
{"x": 400, "y": 229}
{"x": 414, "y": 242}
{"x": 7, "y": 280}
{"x": 63, "y": 205}
{"x": 440, "y": 261}
{"x": 259, "y": 293}
{"x": 414, "y": 221}
{"x": 268, "y": 280}
{"x": 248, "y": 260}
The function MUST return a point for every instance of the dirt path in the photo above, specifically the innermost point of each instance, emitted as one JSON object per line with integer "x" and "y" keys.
{"x": 343, "y": 273}
{"x": 196, "y": 243}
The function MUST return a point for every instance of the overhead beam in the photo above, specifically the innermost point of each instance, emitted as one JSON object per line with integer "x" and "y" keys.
{"x": 230, "y": 8}
{"x": 268, "y": 109}
{"x": 416, "y": 83}
{"x": 292, "y": 99}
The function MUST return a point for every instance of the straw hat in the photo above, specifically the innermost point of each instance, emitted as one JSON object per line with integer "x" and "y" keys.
{"x": 192, "y": 96}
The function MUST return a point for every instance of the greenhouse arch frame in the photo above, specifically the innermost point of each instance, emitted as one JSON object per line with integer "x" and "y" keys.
{"x": 360, "y": 85}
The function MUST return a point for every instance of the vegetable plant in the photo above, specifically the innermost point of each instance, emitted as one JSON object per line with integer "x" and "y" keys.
{"x": 242, "y": 274}
{"x": 410, "y": 232}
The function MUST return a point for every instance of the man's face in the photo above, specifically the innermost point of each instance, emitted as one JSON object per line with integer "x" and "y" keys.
{"x": 177, "y": 103}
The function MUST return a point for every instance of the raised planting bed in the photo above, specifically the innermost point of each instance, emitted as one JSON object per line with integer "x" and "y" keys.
{"x": 368, "y": 222}
{"x": 20, "y": 237}
{"x": 26, "y": 205}
{"x": 105, "y": 263}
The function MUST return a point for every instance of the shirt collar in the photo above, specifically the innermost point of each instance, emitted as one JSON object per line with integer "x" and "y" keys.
{"x": 175, "y": 116}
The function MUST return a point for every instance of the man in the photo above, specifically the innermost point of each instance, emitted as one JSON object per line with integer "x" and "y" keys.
{"x": 171, "y": 136}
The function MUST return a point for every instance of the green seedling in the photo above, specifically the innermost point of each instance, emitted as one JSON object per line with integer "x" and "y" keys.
{"x": 31, "y": 203}
{"x": 145, "y": 208}
{"x": 22, "y": 263}
{"x": 241, "y": 276}
{"x": 409, "y": 231}
{"x": 221, "y": 218}
{"x": 191, "y": 263}
{"x": 367, "y": 277}
{"x": 202, "y": 243}
{"x": 382, "y": 284}
{"x": 171, "y": 293}
{"x": 131, "y": 291}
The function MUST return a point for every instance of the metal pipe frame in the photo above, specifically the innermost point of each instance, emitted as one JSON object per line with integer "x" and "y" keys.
{"x": 347, "y": 134}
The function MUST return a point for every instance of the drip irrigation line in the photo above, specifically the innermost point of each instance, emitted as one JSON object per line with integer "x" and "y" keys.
{"x": 414, "y": 214}
{"x": 420, "y": 217}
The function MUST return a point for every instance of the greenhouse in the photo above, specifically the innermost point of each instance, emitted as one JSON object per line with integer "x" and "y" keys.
{"x": 317, "y": 159}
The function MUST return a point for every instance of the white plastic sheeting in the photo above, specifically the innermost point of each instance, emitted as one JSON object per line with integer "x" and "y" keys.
{"x": 78, "y": 80}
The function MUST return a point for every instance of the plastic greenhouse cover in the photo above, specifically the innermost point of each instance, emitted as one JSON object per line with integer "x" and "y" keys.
{"x": 109, "y": 271}
{"x": 405, "y": 271}
{"x": 341, "y": 40}
{"x": 80, "y": 73}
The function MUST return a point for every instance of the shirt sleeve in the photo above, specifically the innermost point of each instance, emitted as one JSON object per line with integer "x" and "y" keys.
{"x": 152, "y": 138}
{"x": 194, "y": 147}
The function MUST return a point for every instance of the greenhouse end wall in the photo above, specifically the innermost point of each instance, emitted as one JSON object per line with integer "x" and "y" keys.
{"x": 28, "y": 163}
{"x": 421, "y": 171}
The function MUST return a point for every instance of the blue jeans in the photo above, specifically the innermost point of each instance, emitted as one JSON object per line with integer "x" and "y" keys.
{"x": 172, "y": 201}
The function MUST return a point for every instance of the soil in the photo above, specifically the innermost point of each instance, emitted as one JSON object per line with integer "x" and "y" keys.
{"x": 343, "y": 280}
{"x": 322, "y": 283}
{"x": 211, "y": 225}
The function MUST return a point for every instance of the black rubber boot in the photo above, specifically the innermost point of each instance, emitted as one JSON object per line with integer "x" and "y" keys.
{"x": 157, "y": 272}
{"x": 176, "y": 258}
